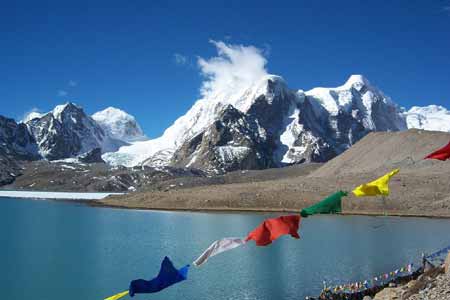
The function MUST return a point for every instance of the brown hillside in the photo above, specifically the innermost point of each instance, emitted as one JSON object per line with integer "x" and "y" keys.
{"x": 381, "y": 151}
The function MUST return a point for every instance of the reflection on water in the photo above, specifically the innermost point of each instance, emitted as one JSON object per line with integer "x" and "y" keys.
{"x": 54, "y": 250}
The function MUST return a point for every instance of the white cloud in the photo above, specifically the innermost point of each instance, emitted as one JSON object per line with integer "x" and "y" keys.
{"x": 62, "y": 93}
{"x": 180, "y": 59}
{"x": 72, "y": 83}
{"x": 31, "y": 114}
{"x": 235, "y": 67}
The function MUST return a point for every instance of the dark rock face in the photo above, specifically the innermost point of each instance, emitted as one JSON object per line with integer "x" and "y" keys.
{"x": 55, "y": 141}
{"x": 235, "y": 141}
{"x": 16, "y": 144}
{"x": 9, "y": 168}
{"x": 93, "y": 156}
{"x": 15, "y": 140}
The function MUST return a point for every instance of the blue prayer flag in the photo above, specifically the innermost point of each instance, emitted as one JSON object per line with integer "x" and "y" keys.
{"x": 168, "y": 275}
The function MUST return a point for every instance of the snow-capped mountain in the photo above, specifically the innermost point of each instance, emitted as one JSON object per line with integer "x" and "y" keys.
{"x": 67, "y": 131}
{"x": 268, "y": 124}
{"x": 432, "y": 117}
{"x": 265, "y": 124}
{"x": 119, "y": 125}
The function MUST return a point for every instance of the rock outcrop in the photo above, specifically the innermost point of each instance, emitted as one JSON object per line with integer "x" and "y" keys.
{"x": 93, "y": 156}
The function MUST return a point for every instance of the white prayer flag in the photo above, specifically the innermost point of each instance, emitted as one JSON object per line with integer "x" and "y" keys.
{"x": 217, "y": 247}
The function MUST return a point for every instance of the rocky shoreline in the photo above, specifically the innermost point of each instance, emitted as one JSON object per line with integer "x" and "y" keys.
{"x": 429, "y": 282}
{"x": 433, "y": 284}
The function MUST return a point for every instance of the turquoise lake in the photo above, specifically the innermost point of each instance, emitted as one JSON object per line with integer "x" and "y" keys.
{"x": 58, "y": 250}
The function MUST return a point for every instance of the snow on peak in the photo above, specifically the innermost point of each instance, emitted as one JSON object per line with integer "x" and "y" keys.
{"x": 119, "y": 125}
{"x": 432, "y": 117}
{"x": 59, "y": 109}
{"x": 32, "y": 115}
{"x": 356, "y": 88}
{"x": 357, "y": 81}
{"x": 430, "y": 109}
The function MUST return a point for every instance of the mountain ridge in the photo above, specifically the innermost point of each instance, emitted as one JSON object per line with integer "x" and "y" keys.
{"x": 263, "y": 125}
{"x": 300, "y": 126}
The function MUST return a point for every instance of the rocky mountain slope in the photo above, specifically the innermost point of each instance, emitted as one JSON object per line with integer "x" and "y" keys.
{"x": 76, "y": 176}
{"x": 268, "y": 125}
{"x": 16, "y": 144}
{"x": 16, "y": 141}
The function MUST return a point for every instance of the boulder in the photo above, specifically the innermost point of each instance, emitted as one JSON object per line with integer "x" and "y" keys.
{"x": 447, "y": 264}
{"x": 93, "y": 156}
{"x": 388, "y": 294}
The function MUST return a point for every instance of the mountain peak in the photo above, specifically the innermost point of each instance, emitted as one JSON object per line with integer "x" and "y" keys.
{"x": 119, "y": 124}
{"x": 59, "y": 109}
{"x": 431, "y": 117}
{"x": 356, "y": 80}
{"x": 430, "y": 109}
{"x": 110, "y": 110}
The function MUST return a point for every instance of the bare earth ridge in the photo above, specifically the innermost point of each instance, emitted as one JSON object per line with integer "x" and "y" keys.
{"x": 422, "y": 187}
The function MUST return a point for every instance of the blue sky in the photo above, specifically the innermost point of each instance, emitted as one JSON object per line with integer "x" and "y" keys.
{"x": 141, "y": 56}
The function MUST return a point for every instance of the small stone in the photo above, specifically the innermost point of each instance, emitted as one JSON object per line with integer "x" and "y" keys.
{"x": 367, "y": 298}
{"x": 411, "y": 283}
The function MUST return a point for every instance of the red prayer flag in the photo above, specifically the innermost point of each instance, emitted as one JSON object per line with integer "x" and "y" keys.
{"x": 441, "y": 154}
{"x": 271, "y": 229}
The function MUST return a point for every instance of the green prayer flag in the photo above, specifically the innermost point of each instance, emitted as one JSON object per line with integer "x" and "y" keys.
{"x": 330, "y": 205}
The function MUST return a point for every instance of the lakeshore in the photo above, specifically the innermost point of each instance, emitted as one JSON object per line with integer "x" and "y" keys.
{"x": 55, "y": 195}
{"x": 411, "y": 195}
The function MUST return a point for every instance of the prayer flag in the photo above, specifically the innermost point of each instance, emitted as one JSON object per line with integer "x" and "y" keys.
{"x": 441, "y": 154}
{"x": 271, "y": 229}
{"x": 168, "y": 275}
{"x": 330, "y": 205}
{"x": 217, "y": 247}
{"x": 379, "y": 186}
{"x": 117, "y": 296}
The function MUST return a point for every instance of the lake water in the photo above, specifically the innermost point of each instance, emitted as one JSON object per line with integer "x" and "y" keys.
{"x": 53, "y": 250}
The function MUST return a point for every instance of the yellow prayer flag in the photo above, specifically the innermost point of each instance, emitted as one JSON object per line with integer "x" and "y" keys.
{"x": 377, "y": 187}
{"x": 117, "y": 296}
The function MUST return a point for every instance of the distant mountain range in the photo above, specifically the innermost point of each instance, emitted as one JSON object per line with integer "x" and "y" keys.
{"x": 264, "y": 125}
{"x": 269, "y": 125}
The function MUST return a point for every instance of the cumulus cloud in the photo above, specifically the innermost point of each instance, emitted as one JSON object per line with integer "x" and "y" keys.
{"x": 180, "y": 59}
{"x": 235, "y": 67}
